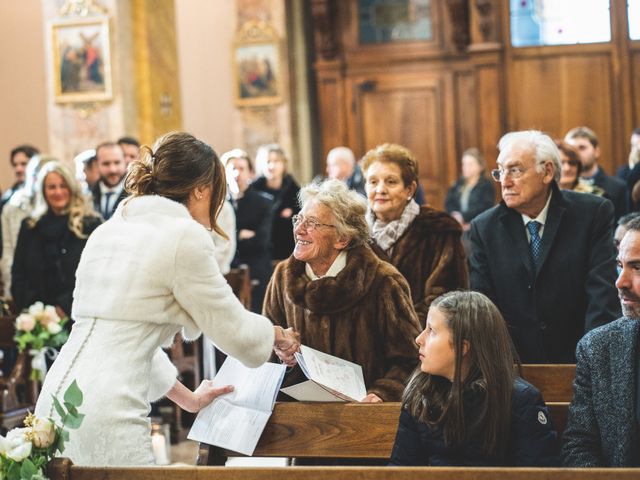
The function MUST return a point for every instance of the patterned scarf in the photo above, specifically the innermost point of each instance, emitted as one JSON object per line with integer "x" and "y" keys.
{"x": 386, "y": 234}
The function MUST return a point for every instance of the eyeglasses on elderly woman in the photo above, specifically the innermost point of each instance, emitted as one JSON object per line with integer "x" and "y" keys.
{"x": 309, "y": 224}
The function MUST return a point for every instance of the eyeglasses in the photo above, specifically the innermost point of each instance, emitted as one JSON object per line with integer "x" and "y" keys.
{"x": 499, "y": 174}
{"x": 310, "y": 224}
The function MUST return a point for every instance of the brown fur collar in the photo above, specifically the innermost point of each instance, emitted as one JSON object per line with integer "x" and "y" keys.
{"x": 332, "y": 294}
{"x": 432, "y": 219}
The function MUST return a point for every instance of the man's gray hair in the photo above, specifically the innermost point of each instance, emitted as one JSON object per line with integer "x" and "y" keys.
{"x": 544, "y": 148}
{"x": 347, "y": 206}
{"x": 342, "y": 152}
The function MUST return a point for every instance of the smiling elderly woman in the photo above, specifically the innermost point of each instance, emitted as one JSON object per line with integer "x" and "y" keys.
{"x": 340, "y": 297}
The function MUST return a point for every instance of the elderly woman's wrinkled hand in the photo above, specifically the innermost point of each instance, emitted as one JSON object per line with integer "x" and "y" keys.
{"x": 286, "y": 344}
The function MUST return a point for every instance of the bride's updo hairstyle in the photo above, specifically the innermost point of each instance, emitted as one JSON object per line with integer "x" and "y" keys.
{"x": 175, "y": 165}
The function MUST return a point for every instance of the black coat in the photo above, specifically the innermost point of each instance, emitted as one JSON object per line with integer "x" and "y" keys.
{"x": 45, "y": 261}
{"x": 572, "y": 292}
{"x": 254, "y": 211}
{"x": 533, "y": 440}
{"x": 282, "y": 230}
{"x": 615, "y": 190}
{"x": 481, "y": 198}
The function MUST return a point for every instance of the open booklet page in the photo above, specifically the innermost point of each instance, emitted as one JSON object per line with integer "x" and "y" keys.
{"x": 330, "y": 378}
{"x": 235, "y": 421}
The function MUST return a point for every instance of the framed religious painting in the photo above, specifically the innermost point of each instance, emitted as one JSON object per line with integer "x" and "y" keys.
{"x": 257, "y": 65}
{"x": 81, "y": 60}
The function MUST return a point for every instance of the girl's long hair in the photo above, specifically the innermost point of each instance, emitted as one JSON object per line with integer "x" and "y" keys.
{"x": 436, "y": 401}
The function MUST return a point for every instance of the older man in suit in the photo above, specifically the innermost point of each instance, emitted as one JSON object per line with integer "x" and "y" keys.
{"x": 544, "y": 256}
{"x": 602, "y": 430}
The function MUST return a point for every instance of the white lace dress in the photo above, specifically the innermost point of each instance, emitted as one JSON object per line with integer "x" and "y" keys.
{"x": 144, "y": 275}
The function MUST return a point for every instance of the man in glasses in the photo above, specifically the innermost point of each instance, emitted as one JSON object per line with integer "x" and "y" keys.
{"x": 543, "y": 255}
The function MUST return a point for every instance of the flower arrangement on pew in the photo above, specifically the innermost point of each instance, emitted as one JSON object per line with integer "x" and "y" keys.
{"x": 25, "y": 452}
{"x": 40, "y": 330}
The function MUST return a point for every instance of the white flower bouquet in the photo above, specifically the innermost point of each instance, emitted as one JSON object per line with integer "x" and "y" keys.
{"x": 25, "y": 452}
{"x": 40, "y": 330}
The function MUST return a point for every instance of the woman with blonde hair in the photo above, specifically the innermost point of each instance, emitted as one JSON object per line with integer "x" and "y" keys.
{"x": 51, "y": 241}
{"x": 146, "y": 274}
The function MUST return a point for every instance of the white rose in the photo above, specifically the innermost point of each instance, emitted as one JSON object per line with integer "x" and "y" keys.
{"x": 44, "y": 432}
{"x": 25, "y": 322}
{"x": 54, "y": 328}
{"x": 19, "y": 446}
{"x": 36, "y": 309}
{"x": 51, "y": 313}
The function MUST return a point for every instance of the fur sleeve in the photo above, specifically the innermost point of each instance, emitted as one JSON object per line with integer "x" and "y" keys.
{"x": 398, "y": 326}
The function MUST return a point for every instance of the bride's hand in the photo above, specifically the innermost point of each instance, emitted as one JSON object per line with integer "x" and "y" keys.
{"x": 287, "y": 342}
{"x": 207, "y": 393}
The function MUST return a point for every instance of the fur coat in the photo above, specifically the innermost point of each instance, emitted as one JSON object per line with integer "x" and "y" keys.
{"x": 431, "y": 258}
{"x": 364, "y": 315}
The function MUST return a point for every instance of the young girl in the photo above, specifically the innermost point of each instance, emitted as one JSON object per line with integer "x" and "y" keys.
{"x": 465, "y": 405}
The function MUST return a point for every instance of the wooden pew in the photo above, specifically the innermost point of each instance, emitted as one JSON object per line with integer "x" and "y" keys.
{"x": 18, "y": 393}
{"x": 555, "y": 382}
{"x": 240, "y": 282}
{"x": 333, "y": 430}
{"x": 63, "y": 469}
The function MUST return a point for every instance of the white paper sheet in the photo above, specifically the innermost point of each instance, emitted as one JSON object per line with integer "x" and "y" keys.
{"x": 235, "y": 421}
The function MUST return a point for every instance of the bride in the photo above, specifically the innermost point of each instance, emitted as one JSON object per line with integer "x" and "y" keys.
{"x": 144, "y": 275}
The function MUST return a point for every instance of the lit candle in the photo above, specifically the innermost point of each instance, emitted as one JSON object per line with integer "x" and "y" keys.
{"x": 159, "y": 447}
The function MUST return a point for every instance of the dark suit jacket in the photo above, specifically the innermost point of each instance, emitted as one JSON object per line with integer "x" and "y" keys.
{"x": 572, "y": 292}
{"x": 602, "y": 429}
{"x": 97, "y": 197}
{"x": 615, "y": 190}
{"x": 481, "y": 198}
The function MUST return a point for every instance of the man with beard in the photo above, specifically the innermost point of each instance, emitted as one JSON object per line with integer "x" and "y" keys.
{"x": 602, "y": 429}
{"x": 109, "y": 191}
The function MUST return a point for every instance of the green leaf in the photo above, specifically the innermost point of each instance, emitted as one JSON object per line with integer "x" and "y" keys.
{"x": 28, "y": 469}
{"x": 73, "y": 395}
{"x": 65, "y": 435}
{"x": 60, "y": 444}
{"x": 13, "y": 473}
{"x": 73, "y": 411}
{"x": 58, "y": 407}
{"x": 74, "y": 421}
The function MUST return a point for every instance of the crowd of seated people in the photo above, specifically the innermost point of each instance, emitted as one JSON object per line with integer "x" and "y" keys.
{"x": 385, "y": 281}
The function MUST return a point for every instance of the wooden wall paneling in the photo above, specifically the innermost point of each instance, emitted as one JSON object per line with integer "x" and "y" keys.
{"x": 491, "y": 112}
{"x": 554, "y": 93}
{"x": 414, "y": 109}
{"x": 466, "y": 113}
{"x": 635, "y": 75}
{"x": 332, "y": 110}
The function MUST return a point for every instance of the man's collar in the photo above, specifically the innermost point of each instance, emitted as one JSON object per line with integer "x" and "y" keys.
{"x": 542, "y": 216}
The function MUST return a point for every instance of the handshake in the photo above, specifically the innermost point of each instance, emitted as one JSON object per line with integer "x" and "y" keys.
{"x": 287, "y": 342}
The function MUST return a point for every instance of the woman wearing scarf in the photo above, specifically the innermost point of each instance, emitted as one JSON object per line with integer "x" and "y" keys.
{"x": 422, "y": 243}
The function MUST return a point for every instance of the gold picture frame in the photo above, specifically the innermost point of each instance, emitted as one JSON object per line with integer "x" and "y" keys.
{"x": 81, "y": 60}
{"x": 257, "y": 65}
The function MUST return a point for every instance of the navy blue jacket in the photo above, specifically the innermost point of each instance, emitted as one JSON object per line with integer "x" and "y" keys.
{"x": 533, "y": 440}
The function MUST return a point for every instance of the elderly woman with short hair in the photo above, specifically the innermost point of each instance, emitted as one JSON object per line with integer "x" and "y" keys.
{"x": 340, "y": 297}
{"x": 424, "y": 244}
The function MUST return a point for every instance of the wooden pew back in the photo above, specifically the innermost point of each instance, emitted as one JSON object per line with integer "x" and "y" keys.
{"x": 334, "y": 430}
{"x": 62, "y": 469}
{"x": 555, "y": 382}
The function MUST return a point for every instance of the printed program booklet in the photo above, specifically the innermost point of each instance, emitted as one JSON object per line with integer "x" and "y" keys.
{"x": 235, "y": 421}
{"x": 331, "y": 379}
